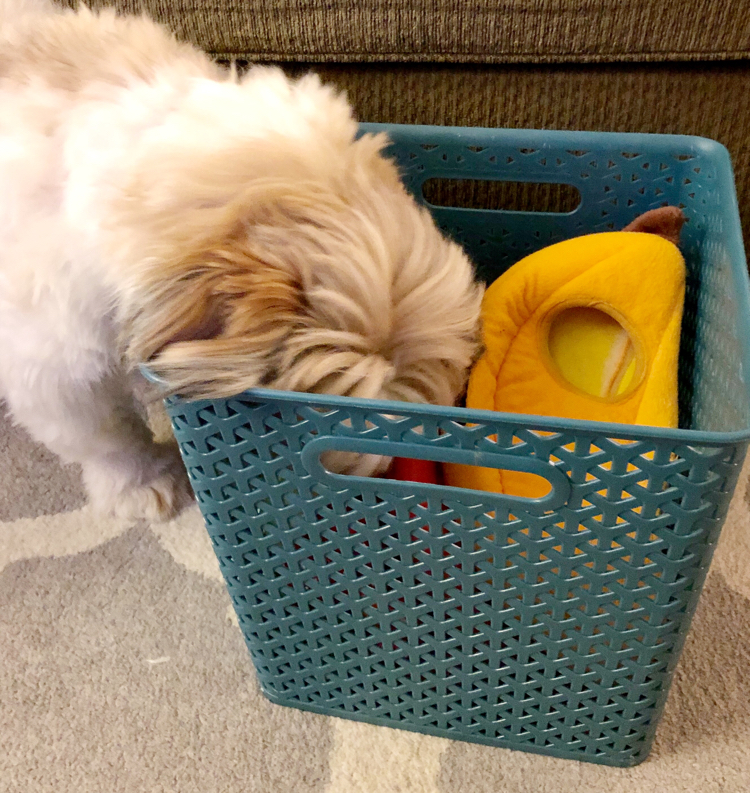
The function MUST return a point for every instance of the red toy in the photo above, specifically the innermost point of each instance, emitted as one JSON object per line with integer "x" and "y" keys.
{"x": 408, "y": 470}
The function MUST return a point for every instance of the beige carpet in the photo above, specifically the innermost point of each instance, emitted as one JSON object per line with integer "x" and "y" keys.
{"x": 122, "y": 669}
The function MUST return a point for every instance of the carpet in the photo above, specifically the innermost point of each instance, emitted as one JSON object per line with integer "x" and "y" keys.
{"x": 123, "y": 669}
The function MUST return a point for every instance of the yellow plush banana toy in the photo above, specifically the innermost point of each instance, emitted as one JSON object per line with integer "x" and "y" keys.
{"x": 588, "y": 329}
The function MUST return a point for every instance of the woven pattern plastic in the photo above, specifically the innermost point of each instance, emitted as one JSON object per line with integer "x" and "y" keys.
{"x": 553, "y": 624}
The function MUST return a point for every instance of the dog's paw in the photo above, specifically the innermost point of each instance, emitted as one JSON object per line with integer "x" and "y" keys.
{"x": 154, "y": 488}
{"x": 159, "y": 500}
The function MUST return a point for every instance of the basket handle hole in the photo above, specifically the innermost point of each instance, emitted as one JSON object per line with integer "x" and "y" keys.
{"x": 550, "y": 490}
{"x": 420, "y": 470}
{"x": 501, "y": 195}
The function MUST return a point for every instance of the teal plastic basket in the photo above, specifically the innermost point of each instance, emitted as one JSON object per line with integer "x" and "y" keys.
{"x": 551, "y": 625}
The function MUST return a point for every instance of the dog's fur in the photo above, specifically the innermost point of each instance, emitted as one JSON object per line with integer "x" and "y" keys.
{"x": 230, "y": 232}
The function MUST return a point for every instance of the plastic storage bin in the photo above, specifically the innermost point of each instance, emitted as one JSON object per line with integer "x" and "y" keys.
{"x": 550, "y": 625}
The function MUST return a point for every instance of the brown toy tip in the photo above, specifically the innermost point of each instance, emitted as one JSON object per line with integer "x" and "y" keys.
{"x": 667, "y": 222}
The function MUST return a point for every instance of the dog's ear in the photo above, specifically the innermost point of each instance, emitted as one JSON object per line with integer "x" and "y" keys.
{"x": 179, "y": 312}
{"x": 191, "y": 313}
{"x": 214, "y": 326}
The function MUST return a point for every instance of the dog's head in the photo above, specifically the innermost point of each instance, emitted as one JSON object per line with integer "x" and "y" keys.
{"x": 300, "y": 266}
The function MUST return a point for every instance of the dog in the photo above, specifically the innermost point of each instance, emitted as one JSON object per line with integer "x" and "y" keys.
{"x": 229, "y": 232}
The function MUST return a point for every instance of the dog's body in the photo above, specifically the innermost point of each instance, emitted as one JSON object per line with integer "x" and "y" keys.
{"x": 233, "y": 233}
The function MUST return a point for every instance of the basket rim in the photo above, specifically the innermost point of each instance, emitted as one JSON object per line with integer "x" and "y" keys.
{"x": 528, "y": 135}
{"x": 463, "y": 415}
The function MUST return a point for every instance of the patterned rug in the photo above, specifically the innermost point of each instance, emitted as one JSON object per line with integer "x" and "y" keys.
{"x": 123, "y": 669}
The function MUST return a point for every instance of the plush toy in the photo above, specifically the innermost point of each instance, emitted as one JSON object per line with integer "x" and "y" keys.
{"x": 588, "y": 329}
{"x": 408, "y": 470}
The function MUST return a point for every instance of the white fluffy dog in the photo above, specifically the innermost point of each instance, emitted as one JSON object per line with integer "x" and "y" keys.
{"x": 230, "y": 232}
